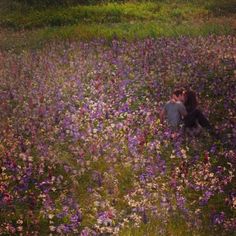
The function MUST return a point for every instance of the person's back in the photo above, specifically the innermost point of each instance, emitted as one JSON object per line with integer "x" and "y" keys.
{"x": 174, "y": 109}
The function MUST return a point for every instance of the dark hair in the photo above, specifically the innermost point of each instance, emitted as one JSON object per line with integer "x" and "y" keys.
{"x": 190, "y": 100}
{"x": 178, "y": 92}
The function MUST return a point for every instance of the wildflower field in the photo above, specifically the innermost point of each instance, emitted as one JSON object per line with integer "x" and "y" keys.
{"x": 82, "y": 150}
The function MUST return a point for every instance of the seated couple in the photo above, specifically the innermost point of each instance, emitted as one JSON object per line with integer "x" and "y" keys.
{"x": 182, "y": 109}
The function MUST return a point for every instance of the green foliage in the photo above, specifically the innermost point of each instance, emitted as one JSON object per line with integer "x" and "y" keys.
{"x": 49, "y": 3}
{"x": 129, "y": 20}
{"x": 37, "y": 38}
{"x": 22, "y": 17}
{"x": 109, "y": 13}
{"x": 225, "y": 7}
{"x": 175, "y": 226}
{"x": 41, "y": 2}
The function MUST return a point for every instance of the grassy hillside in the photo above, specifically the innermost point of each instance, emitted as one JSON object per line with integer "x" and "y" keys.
{"x": 129, "y": 20}
{"x": 82, "y": 148}
{"x": 109, "y": 14}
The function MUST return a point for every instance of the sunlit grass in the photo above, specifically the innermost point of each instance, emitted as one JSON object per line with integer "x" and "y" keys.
{"x": 127, "y": 31}
{"x": 175, "y": 226}
{"x": 33, "y": 27}
{"x": 109, "y": 13}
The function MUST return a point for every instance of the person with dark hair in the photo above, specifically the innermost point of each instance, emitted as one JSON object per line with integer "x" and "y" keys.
{"x": 174, "y": 109}
{"x": 194, "y": 121}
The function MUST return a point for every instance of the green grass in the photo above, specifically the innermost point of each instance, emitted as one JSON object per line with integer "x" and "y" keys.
{"x": 110, "y": 13}
{"x": 37, "y": 38}
{"x": 32, "y": 27}
{"x": 176, "y": 226}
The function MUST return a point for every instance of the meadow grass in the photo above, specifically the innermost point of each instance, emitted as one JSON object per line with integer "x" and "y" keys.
{"x": 31, "y": 27}
{"x": 176, "y": 225}
{"x": 109, "y": 13}
{"x": 86, "y": 32}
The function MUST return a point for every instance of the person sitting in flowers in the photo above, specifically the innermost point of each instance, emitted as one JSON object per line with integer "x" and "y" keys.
{"x": 194, "y": 121}
{"x": 174, "y": 109}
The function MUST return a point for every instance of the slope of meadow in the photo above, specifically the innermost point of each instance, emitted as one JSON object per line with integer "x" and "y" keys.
{"x": 23, "y": 26}
{"x": 83, "y": 151}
